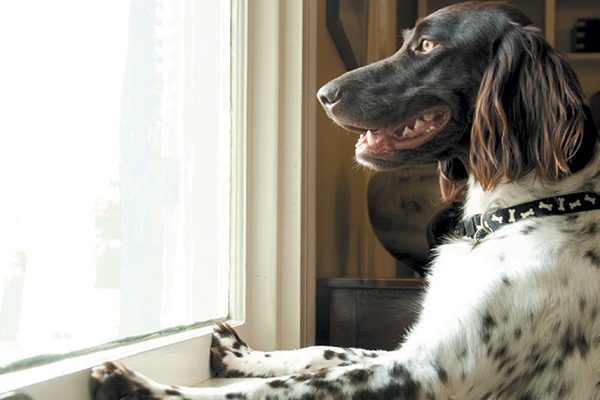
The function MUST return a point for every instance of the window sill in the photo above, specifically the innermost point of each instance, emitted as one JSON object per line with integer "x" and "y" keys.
{"x": 181, "y": 358}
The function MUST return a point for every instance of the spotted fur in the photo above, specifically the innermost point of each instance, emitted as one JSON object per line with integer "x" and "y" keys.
{"x": 512, "y": 316}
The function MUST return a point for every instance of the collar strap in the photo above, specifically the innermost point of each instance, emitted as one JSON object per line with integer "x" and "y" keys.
{"x": 479, "y": 226}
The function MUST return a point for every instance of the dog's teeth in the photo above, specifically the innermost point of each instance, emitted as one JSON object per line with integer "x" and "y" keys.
{"x": 430, "y": 129}
{"x": 429, "y": 116}
{"x": 360, "y": 141}
{"x": 407, "y": 132}
{"x": 370, "y": 138}
{"x": 418, "y": 123}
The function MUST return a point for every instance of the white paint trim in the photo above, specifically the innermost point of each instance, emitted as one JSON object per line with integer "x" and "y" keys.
{"x": 275, "y": 168}
{"x": 309, "y": 176}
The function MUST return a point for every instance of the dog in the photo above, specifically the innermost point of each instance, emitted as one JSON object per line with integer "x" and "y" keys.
{"x": 511, "y": 309}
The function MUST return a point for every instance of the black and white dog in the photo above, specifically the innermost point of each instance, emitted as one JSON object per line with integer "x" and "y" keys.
{"x": 513, "y": 299}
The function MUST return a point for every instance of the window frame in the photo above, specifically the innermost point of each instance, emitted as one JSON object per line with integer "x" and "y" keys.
{"x": 275, "y": 309}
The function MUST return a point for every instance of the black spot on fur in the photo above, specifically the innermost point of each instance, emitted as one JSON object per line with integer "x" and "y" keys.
{"x": 322, "y": 373}
{"x": 582, "y": 304}
{"x": 238, "y": 354}
{"x": 145, "y": 392}
{"x": 500, "y": 354}
{"x": 593, "y": 257}
{"x": 564, "y": 389}
{"x": 582, "y": 345}
{"x": 358, "y": 375}
{"x": 488, "y": 324}
{"x": 527, "y": 396}
{"x": 301, "y": 378}
{"x": 330, "y": 387}
{"x": 227, "y": 331}
{"x": 328, "y": 354}
{"x": 594, "y": 313}
{"x": 234, "y": 373}
{"x": 528, "y": 229}
{"x": 173, "y": 392}
{"x": 590, "y": 229}
{"x": 217, "y": 364}
{"x": 442, "y": 374}
{"x": 510, "y": 370}
{"x": 236, "y": 396}
{"x": 490, "y": 350}
{"x": 486, "y": 396}
{"x": 539, "y": 367}
{"x": 278, "y": 383}
{"x": 393, "y": 391}
{"x": 409, "y": 387}
{"x": 568, "y": 342}
{"x": 267, "y": 355}
{"x": 506, "y": 281}
{"x": 558, "y": 364}
{"x": 370, "y": 354}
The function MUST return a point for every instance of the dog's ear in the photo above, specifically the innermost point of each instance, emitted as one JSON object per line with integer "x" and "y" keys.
{"x": 529, "y": 113}
{"x": 453, "y": 179}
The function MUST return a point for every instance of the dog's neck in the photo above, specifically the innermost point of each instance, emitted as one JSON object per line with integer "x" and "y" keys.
{"x": 529, "y": 188}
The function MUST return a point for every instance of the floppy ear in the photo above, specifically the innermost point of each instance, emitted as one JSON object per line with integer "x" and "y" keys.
{"x": 529, "y": 112}
{"x": 453, "y": 179}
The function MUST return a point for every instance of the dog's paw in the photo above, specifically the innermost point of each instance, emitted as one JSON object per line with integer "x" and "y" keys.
{"x": 114, "y": 381}
{"x": 226, "y": 351}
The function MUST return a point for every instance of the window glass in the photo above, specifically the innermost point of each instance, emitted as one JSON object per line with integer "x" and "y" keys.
{"x": 115, "y": 171}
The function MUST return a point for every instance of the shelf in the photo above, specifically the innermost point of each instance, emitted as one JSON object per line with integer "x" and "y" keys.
{"x": 583, "y": 56}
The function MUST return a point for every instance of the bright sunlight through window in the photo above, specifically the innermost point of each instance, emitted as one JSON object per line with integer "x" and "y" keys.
{"x": 115, "y": 171}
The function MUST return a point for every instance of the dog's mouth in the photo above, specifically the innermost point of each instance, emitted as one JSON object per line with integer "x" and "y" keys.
{"x": 409, "y": 134}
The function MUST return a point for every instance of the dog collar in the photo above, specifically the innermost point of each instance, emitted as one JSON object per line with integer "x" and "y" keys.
{"x": 479, "y": 226}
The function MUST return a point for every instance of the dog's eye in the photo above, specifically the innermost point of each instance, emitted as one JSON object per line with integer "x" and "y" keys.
{"x": 425, "y": 46}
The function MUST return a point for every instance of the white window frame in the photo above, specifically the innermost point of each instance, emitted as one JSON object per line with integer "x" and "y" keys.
{"x": 277, "y": 293}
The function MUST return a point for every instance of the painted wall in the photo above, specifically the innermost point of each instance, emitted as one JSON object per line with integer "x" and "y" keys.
{"x": 346, "y": 244}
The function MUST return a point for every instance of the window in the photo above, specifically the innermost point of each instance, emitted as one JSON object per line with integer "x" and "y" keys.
{"x": 115, "y": 171}
{"x": 271, "y": 89}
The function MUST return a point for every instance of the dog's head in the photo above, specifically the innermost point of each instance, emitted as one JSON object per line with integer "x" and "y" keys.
{"x": 474, "y": 87}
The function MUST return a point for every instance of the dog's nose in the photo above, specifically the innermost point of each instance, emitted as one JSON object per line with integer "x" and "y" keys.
{"x": 329, "y": 94}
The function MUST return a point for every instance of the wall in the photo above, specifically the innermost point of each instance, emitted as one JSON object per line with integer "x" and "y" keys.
{"x": 343, "y": 234}
{"x": 346, "y": 244}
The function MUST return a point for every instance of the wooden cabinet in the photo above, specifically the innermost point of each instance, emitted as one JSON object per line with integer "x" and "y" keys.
{"x": 366, "y": 313}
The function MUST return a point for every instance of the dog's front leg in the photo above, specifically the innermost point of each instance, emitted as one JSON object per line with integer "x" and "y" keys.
{"x": 385, "y": 378}
{"x": 231, "y": 357}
